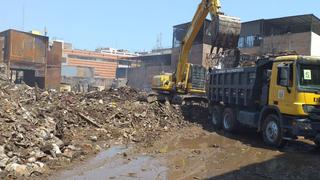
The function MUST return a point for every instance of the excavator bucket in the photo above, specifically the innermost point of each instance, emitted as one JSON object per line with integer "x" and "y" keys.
{"x": 226, "y": 31}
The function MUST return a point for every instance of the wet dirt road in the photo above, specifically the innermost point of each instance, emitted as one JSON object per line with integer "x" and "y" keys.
{"x": 114, "y": 164}
{"x": 195, "y": 153}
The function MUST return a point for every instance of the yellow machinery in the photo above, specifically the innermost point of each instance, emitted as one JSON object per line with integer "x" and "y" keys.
{"x": 189, "y": 79}
{"x": 279, "y": 97}
{"x": 295, "y": 85}
{"x": 65, "y": 87}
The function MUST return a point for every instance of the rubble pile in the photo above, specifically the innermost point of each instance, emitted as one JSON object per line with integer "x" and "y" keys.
{"x": 40, "y": 128}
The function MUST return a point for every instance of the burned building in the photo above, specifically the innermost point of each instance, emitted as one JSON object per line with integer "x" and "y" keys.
{"x": 30, "y": 59}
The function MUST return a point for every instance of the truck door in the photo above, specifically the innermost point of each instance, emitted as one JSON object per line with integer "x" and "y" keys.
{"x": 281, "y": 91}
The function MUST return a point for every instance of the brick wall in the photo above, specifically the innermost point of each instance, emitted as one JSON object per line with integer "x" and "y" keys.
{"x": 198, "y": 55}
{"x": 299, "y": 42}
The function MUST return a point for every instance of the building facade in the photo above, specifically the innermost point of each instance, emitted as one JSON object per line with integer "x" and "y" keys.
{"x": 201, "y": 47}
{"x": 149, "y": 65}
{"x": 300, "y": 34}
{"x": 83, "y": 68}
{"x": 31, "y": 59}
{"x": 257, "y": 38}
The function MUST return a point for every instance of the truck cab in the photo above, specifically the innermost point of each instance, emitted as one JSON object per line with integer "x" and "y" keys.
{"x": 295, "y": 85}
{"x": 279, "y": 97}
{"x": 295, "y": 92}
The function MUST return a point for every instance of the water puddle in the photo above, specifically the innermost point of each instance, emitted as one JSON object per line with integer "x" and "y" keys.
{"x": 111, "y": 164}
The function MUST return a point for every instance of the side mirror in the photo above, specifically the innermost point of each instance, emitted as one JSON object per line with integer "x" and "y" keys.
{"x": 285, "y": 76}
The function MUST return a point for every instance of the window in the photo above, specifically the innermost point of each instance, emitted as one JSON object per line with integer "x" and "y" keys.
{"x": 310, "y": 76}
{"x": 250, "y": 41}
{"x": 285, "y": 74}
{"x": 241, "y": 43}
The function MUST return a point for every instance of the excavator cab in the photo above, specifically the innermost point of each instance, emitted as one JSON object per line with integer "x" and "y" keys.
{"x": 225, "y": 32}
{"x": 197, "y": 79}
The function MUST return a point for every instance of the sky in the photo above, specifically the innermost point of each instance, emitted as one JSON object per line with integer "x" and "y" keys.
{"x": 129, "y": 24}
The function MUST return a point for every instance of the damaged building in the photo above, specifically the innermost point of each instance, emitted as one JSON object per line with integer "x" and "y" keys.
{"x": 201, "y": 47}
{"x": 149, "y": 65}
{"x": 300, "y": 34}
{"x": 103, "y": 68}
{"x": 30, "y": 59}
{"x": 297, "y": 34}
{"x": 166, "y": 60}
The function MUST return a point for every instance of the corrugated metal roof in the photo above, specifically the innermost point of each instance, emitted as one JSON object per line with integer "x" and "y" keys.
{"x": 308, "y": 21}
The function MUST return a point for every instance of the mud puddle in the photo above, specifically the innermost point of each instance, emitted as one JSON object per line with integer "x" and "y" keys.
{"x": 202, "y": 155}
{"x": 113, "y": 164}
{"x": 192, "y": 153}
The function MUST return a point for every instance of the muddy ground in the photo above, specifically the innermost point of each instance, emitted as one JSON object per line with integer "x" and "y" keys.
{"x": 198, "y": 151}
{"x": 119, "y": 134}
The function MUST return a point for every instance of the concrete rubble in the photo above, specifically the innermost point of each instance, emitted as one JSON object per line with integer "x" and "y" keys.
{"x": 39, "y": 128}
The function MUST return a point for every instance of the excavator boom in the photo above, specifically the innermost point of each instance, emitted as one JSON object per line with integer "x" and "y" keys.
{"x": 189, "y": 78}
{"x": 225, "y": 34}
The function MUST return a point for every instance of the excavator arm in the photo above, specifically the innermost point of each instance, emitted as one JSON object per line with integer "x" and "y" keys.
{"x": 190, "y": 79}
{"x": 206, "y": 6}
{"x": 225, "y": 35}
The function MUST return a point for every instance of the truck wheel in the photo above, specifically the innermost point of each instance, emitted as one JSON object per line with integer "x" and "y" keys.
{"x": 229, "y": 122}
{"x": 216, "y": 116}
{"x": 272, "y": 132}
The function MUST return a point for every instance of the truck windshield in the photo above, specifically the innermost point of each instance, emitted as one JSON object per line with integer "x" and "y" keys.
{"x": 309, "y": 76}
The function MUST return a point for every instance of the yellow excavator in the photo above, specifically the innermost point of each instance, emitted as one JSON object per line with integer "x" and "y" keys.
{"x": 189, "y": 79}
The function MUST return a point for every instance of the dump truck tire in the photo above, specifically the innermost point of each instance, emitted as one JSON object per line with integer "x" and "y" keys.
{"x": 272, "y": 132}
{"x": 229, "y": 120}
{"x": 216, "y": 117}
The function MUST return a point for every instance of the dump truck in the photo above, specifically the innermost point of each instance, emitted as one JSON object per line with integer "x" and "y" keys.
{"x": 279, "y": 97}
{"x": 188, "y": 81}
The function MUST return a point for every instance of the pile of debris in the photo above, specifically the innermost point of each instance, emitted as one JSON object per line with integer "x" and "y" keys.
{"x": 41, "y": 128}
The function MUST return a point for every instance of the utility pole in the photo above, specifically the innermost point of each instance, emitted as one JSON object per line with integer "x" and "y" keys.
{"x": 23, "y": 13}
{"x": 159, "y": 42}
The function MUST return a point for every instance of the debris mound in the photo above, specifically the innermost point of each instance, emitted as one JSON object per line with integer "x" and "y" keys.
{"x": 41, "y": 128}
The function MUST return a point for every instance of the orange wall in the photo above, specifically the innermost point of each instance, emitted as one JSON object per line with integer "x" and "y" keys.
{"x": 101, "y": 69}
{"x": 93, "y": 54}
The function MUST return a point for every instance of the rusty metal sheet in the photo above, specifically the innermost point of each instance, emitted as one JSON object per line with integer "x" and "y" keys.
{"x": 27, "y": 47}
{"x": 53, "y": 78}
{"x": 55, "y": 54}
{"x": 40, "y": 49}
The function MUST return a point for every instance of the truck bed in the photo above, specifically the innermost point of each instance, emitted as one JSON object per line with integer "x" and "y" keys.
{"x": 238, "y": 86}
